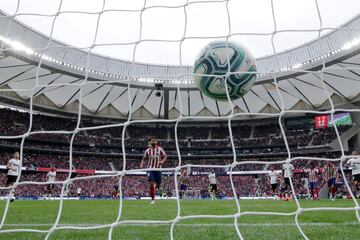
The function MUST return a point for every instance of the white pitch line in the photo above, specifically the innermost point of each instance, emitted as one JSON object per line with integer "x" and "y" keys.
{"x": 189, "y": 225}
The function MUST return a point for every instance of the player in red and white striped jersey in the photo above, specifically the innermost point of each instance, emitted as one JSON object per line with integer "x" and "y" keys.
{"x": 155, "y": 157}
{"x": 330, "y": 174}
{"x": 313, "y": 181}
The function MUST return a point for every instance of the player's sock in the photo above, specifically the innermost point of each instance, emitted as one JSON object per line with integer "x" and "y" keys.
{"x": 152, "y": 192}
{"x": 317, "y": 193}
{"x": 11, "y": 196}
{"x": 290, "y": 197}
{"x": 333, "y": 192}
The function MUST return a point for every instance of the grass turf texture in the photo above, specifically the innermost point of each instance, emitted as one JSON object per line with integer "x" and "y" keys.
{"x": 329, "y": 224}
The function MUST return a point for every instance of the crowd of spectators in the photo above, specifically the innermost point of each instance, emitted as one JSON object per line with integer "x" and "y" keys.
{"x": 193, "y": 140}
{"x": 32, "y": 160}
{"x": 260, "y": 138}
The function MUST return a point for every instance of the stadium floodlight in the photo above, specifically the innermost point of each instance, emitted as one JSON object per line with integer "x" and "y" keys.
{"x": 21, "y": 48}
{"x": 17, "y": 46}
{"x": 351, "y": 44}
{"x": 298, "y": 65}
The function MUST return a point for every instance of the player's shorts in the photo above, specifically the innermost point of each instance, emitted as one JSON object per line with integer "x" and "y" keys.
{"x": 213, "y": 187}
{"x": 10, "y": 179}
{"x": 51, "y": 186}
{"x": 116, "y": 188}
{"x": 313, "y": 185}
{"x": 331, "y": 182}
{"x": 274, "y": 186}
{"x": 183, "y": 187}
{"x": 154, "y": 176}
{"x": 356, "y": 177}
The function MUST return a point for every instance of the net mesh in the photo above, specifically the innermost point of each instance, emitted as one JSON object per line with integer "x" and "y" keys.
{"x": 182, "y": 117}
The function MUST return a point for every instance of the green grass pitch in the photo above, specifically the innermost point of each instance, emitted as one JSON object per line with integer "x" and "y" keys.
{"x": 329, "y": 224}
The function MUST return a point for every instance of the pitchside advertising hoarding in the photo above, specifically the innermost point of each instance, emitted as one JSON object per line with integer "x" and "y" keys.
{"x": 325, "y": 121}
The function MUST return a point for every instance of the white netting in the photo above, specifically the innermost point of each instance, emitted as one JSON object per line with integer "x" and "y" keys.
{"x": 41, "y": 53}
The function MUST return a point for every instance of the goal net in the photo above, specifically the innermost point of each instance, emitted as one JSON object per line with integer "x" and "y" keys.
{"x": 90, "y": 60}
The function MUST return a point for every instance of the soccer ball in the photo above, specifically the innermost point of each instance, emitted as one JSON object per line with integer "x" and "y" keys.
{"x": 211, "y": 67}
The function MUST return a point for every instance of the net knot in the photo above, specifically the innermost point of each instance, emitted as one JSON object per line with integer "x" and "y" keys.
{"x": 67, "y": 182}
{"x": 27, "y": 134}
{"x": 299, "y": 211}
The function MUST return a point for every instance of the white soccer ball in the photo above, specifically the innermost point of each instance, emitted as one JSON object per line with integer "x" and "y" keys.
{"x": 211, "y": 68}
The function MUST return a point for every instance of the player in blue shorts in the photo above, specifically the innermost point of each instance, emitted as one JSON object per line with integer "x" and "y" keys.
{"x": 155, "y": 157}
{"x": 184, "y": 183}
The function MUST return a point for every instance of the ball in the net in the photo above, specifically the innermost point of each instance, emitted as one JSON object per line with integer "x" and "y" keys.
{"x": 211, "y": 70}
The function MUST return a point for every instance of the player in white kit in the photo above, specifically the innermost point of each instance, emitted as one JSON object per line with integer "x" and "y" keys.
{"x": 354, "y": 163}
{"x": 212, "y": 185}
{"x": 273, "y": 181}
{"x": 13, "y": 167}
{"x": 288, "y": 169}
{"x": 51, "y": 176}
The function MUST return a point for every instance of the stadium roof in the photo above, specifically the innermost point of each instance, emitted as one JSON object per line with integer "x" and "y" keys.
{"x": 59, "y": 81}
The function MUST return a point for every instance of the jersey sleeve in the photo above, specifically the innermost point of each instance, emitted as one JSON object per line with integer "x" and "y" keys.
{"x": 146, "y": 154}
{"x": 162, "y": 152}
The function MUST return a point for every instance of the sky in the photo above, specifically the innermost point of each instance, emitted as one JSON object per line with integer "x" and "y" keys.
{"x": 173, "y": 32}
